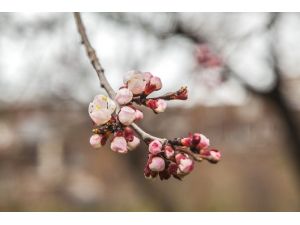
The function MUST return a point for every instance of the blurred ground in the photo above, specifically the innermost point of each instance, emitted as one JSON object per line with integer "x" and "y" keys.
{"x": 60, "y": 171}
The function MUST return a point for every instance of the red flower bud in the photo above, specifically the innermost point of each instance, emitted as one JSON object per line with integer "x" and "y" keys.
{"x": 169, "y": 151}
{"x": 128, "y": 134}
{"x": 182, "y": 94}
{"x": 179, "y": 157}
{"x": 172, "y": 169}
{"x": 151, "y": 103}
{"x": 186, "y": 141}
{"x": 212, "y": 155}
{"x": 196, "y": 139}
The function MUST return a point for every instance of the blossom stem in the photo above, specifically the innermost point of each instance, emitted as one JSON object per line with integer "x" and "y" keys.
{"x": 91, "y": 53}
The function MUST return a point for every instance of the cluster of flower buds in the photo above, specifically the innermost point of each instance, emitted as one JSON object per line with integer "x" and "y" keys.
{"x": 101, "y": 111}
{"x": 177, "y": 157}
{"x": 138, "y": 85}
{"x": 113, "y": 118}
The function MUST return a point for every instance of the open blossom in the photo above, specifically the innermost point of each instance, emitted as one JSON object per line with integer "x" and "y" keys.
{"x": 126, "y": 115}
{"x": 157, "y": 164}
{"x": 101, "y": 108}
{"x": 155, "y": 147}
{"x": 135, "y": 82}
{"x": 166, "y": 158}
{"x": 96, "y": 141}
{"x": 147, "y": 76}
{"x": 119, "y": 144}
{"x": 134, "y": 143}
{"x": 123, "y": 96}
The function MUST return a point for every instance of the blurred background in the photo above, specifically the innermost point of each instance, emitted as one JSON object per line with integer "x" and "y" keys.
{"x": 243, "y": 75}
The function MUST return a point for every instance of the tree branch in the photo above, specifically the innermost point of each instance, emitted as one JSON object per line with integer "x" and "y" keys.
{"x": 91, "y": 53}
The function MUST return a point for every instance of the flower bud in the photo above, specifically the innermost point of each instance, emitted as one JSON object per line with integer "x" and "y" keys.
{"x": 196, "y": 139}
{"x": 148, "y": 173}
{"x": 154, "y": 84}
{"x": 212, "y": 155}
{"x": 123, "y": 96}
{"x": 182, "y": 94}
{"x": 186, "y": 141}
{"x": 151, "y": 103}
{"x": 135, "y": 82}
{"x": 126, "y": 115}
{"x": 101, "y": 108}
{"x": 169, "y": 151}
{"x": 179, "y": 157}
{"x": 155, "y": 81}
{"x": 134, "y": 143}
{"x": 161, "y": 106}
{"x": 119, "y": 145}
{"x": 128, "y": 134}
{"x": 186, "y": 165}
{"x": 96, "y": 141}
{"x": 138, "y": 115}
{"x": 204, "y": 142}
{"x": 155, "y": 147}
{"x": 157, "y": 164}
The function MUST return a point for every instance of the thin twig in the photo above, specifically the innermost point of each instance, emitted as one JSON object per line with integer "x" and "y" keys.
{"x": 91, "y": 53}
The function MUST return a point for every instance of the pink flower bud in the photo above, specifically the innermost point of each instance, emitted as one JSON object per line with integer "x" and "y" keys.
{"x": 157, "y": 164}
{"x": 186, "y": 141}
{"x": 161, "y": 106}
{"x": 123, "y": 96}
{"x": 212, "y": 155}
{"x": 134, "y": 143}
{"x": 101, "y": 108}
{"x": 179, "y": 157}
{"x": 204, "y": 142}
{"x": 169, "y": 151}
{"x": 155, "y": 81}
{"x": 126, "y": 115}
{"x": 138, "y": 115}
{"x": 215, "y": 155}
{"x": 135, "y": 82}
{"x": 119, "y": 145}
{"x": 153, "y": 84}
{"x": 155, "y": 147}
{"x": 96, "y": 141}
{"x": 186, "y": 165}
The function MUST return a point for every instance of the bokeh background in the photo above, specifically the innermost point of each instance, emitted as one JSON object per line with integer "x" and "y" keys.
{"x": 243, "y": 75}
